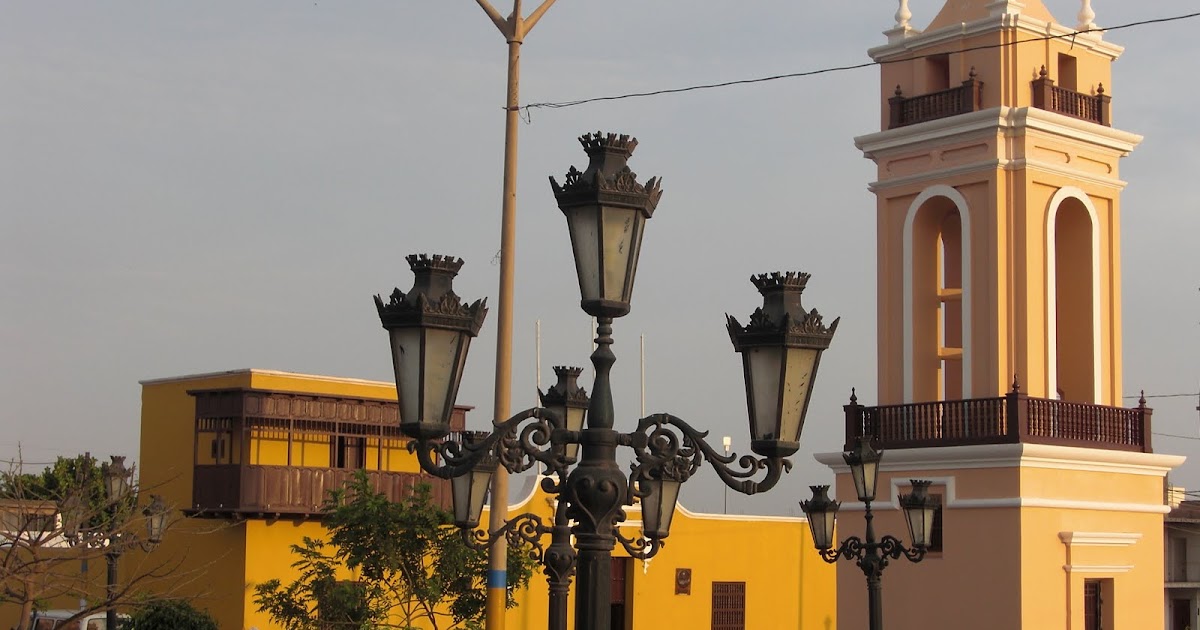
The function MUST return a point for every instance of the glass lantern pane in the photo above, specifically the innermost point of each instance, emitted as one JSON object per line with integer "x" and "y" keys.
{"x": 584, "y": 225}
{"x": 650, "y": 504}
{"x": 666, "y": 510}
{"x": 406, "y": 361}
{"x": 822, "y": 529}
{"x": 442, "y": 369}
{"x": 461, "y": 487}
{"x": 481, "y": 480}
{"x": 619, "y": 231}
{"x": 764, "y": 364}
{"x": 797, "y": 381}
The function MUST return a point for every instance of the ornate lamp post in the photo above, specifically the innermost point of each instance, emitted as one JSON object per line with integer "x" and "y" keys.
{"x": 606, "y": 210}
{"x": 870, "y": 555}
{"x": 82, "y": 526}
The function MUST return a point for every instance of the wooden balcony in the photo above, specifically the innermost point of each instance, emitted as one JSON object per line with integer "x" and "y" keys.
{"x": 1013, "y": 418}
{"x": 910, "y": 110}
{"x": 1092, "y": 108}
{"x": 224, "y": 490}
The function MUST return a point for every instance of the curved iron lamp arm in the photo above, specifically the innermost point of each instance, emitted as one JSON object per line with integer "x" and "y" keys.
{"x": 517, "y": 447}
{"x": 666, "y": 444}
{"x": 524, "y": 529}
{"x": 893, "y": 547}
{"x": 641, "y": 547}
{"x": 853, "y": 548}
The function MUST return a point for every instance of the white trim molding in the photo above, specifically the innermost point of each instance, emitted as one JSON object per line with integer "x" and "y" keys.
{"x": 984, "y": 456}
{"x": 1071, "y": 192}
{"x": 1099, "y": 539}
{"x": 1104, "y": 569}
{"x": 960, "y": 203}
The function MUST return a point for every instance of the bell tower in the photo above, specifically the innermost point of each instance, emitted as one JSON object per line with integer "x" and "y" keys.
{"x": 998, "y": 200}
{"x": 998, "y": 210}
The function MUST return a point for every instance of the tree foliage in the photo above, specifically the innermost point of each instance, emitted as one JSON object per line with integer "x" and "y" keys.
{"x": 170, "y": 614}
{"x": 411, "y": 566}
{"x": 40, "y": 564}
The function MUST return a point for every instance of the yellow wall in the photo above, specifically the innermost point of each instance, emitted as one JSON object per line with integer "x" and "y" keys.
{"x": 787, "y": 584}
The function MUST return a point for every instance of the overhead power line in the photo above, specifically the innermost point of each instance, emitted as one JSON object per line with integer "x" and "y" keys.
{"x": 809, "y": 73}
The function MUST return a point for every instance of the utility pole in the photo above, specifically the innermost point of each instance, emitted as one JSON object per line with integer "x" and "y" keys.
{"x": 514, "y": 29}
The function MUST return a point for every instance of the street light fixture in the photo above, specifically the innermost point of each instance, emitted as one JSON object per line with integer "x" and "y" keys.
{"x": 871, "y": 556}
{"x": 84, "y": 526}
{"x": 606, "y": 209}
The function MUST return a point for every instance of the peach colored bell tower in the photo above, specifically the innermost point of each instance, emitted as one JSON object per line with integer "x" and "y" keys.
{"x": 999, "y": 329}
{"x": 998, "y": 205}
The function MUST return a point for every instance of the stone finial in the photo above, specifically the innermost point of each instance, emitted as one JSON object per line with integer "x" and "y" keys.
{"x": 1087, "y": 17}
{"x": 903, "y": 15}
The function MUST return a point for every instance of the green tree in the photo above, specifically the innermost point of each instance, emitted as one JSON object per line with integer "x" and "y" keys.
{"x": 40, "y": 564}
{"x": 412, "y": 566}
{"x": 171, "y": 614}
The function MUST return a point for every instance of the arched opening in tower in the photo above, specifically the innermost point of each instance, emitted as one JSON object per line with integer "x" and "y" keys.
{"x": 937, "y": 301}
{"x": 1075, "y": 333}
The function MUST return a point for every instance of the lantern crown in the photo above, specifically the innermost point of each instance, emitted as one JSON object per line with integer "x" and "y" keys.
{"x": 607, "y": 180}
{"x": 566, "y": 391}
{"x": 432, "y": 300}
{"x": 782, "y": 318}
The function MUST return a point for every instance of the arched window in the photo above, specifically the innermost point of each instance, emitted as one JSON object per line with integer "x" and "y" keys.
{"x": 1073, "y": 298}
{"x": 937, "y": 297}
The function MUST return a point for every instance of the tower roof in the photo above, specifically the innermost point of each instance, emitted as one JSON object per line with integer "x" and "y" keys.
{"x": 960, "y": 11}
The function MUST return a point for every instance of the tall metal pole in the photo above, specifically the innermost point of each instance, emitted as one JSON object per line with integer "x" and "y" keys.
{"x": 872, "y": 565}
{"x": 514, "y": 30}
{"x": 110, "y": 616}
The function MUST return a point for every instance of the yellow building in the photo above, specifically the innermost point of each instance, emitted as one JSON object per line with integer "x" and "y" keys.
{"x": 998, "y": 254}
{"x": 251, "y": 454}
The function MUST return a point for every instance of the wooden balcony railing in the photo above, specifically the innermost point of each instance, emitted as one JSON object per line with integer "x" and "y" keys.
{"x": 915, "y": 109}
{"x": 1012, "y": 418}
{"x": 1047, "y": 96}
{"x": 229, "y": 489}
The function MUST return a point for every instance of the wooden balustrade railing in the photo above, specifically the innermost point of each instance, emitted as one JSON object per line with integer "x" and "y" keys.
{"x": 220, "y": 489}
{"x": 1012, "y": 418}
{"x": 1093, "y": 108}
{"x": 910, "y": 110}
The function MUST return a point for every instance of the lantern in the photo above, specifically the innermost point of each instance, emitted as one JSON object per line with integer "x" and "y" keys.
{"x": 116, "y": 479}
{"x": 570, "y": 401}
{"x": 156, "y": 519}
{"x": 606, "y": 210}
{"x": 660, "y": 495}
{"x": 864, "y": 467}
{"x": 470, "y": 489}
{"x": 781, "y": 350}
{"x": 822, "y": 515}
{"x": 430, "y": 330}
{"x": 919, "y": 512}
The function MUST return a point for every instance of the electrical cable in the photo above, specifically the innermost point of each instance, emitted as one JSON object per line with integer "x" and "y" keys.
{"x": 809, "y": 73}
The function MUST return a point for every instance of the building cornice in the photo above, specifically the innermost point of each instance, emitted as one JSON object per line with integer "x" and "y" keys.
{"x": 260, "y": 372}
{"x": 1099, "y": 539}
{"x": 988, "y": 122}
{"x": 904, "y": 43}
{"x": 985, "y": 456}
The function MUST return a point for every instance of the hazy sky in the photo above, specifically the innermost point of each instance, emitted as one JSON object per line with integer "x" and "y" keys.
{"x": 197, "y": 186}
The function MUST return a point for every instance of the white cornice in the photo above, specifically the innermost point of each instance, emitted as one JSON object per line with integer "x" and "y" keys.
{"x": 1027, "y": 502}
{"x": 1033, "y": 27}
{"x": 258, "y": 372}
{"x": 996, "y": 120}
{"x": 1099, "y": 539}
{"x": 1104, "y": 569}
{"x": 1017, "y": 455}
{"x": 984, "y": 122}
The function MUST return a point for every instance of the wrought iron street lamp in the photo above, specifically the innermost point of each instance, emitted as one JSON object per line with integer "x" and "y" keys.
{"x": 606, "y": 210}
{"x": 871, "y": 556}
{"x": 84, "y": 525}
